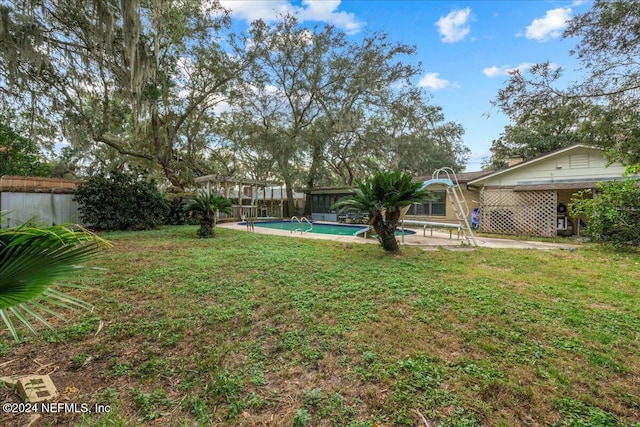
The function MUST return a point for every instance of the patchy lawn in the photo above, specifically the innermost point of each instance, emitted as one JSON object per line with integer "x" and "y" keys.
{"x": 256, "y": 330}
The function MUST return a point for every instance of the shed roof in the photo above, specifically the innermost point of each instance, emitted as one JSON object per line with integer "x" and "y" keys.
{"x": 36, "y": 184}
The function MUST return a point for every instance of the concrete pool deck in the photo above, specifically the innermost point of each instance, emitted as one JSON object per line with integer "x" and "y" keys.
{"x": 440, "y": 239}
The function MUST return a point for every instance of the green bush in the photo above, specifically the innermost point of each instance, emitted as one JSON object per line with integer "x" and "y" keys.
{"x": 613, "y": 214}
{"x": 121, "y": 201}
{"x": 177, "y": 214}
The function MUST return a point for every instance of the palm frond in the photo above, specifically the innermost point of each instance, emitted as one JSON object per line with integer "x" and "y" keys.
{"x": 384, "y": 190}
{"x": 31, "y": 260}
{"x": 208, "y": 204}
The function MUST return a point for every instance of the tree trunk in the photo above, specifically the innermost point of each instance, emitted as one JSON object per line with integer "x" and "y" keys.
{"x": 316, "y": 160}
{"x": 206, "y": 227}
{"x": 288, "y": 183}
{"x": 386, "y": 231}
{"x": 291, "y": 204}
{"x": 350, "y": 177}
{"x": 388, "y": 240}
{"x": 163, "y": 147}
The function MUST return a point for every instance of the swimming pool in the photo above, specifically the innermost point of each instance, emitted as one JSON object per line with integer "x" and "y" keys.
{"x": 318, "y": 228}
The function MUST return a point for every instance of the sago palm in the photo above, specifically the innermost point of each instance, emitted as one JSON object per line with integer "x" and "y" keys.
{"x": 383, "y": 196}
{"x": 31, "y": 260}
{"x": 205, "y": 208}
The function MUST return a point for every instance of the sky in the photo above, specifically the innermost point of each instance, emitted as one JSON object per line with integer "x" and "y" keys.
{"x": 466, "y": 48}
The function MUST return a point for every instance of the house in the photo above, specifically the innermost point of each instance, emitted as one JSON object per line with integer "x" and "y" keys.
{"x": 441, "y": 209}
{"x": 527, "y": 198}
{"x": 531, "y": 198}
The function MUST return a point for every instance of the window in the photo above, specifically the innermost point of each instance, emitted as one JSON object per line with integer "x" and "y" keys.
{"x": 437, "y": 207}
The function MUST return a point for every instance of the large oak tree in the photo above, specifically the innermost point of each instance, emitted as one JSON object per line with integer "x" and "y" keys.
{"x": 131, "y": 76}
{"x": 329, "y": 110}
{"x": 603, "y": 108}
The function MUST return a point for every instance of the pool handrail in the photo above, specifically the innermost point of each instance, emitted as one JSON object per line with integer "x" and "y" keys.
{"x": 301, "y": 221}
{"x": 292, "y": 219}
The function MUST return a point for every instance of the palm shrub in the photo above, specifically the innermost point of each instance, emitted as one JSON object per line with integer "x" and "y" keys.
{"x": 205, "y": 208}
{"x": 383, "y": 196}
{"x": 31, "y": 260}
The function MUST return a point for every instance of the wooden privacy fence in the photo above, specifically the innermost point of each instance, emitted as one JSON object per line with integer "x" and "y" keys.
{"x": 45, "y": 201}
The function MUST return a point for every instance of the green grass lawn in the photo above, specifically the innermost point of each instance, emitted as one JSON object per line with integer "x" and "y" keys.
{"x": 256, "y": 330}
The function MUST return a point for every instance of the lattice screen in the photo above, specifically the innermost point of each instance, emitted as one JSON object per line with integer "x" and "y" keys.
{"x": 530, "y": 213}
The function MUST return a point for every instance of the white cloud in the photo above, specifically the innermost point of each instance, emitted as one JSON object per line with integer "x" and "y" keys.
{"x": 505, "y": 70}
{"x": 549, "y": 27}
{"x": 494, "y": 71}
{"x": 252, "y": 10}
{"x": 326, "y": 11}
{"x": 222, "y": 106}
{"x": 310, "y": 10}
{"x": 271, "y": 89}
{"x": 433, "y": 81}
{"x": 454, "y": 27}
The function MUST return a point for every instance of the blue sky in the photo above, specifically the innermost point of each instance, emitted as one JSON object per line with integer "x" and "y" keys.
{"x": 465, "y": 47}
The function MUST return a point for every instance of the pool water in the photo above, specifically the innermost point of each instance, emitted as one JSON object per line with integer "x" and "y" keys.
{"x": 318, "y": 228}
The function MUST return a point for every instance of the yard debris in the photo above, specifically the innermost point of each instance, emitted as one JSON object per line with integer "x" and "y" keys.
{"x": 3, "y": 364}
{"x": 69, "y": 394}
{"x": 100, "y": 326}
{"x": 426, "y": 422}
{"x": 33, "y": 420}
{"x": 47, "y": 367}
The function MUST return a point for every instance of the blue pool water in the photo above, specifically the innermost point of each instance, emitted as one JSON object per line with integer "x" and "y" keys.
{"x": 318, "y": 228}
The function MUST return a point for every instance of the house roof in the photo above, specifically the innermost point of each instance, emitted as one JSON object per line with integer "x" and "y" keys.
{"x": 479, "y": 180}
{"x": 463, "y": 177}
